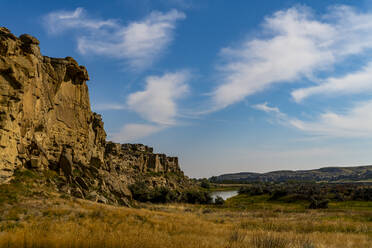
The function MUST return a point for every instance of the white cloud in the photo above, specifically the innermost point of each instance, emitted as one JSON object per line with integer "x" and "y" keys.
{"x": 353, "y": 30}
{"x": 266, "y": 108}
{"x": 294, "y": 50}
{"x": 59, "y": 21}
{"x": 108, "y": 106}
{"x": 355, "y": 82}
{"x": 354, "y": 122}
{"x": 133, "y": 132}
{"x": 157, "y": 103}
{"x": 280, "y": 117}
{"x": 139, "y": 43}
{"x": 296, "y": 45}
{"x": 348, "y": 34}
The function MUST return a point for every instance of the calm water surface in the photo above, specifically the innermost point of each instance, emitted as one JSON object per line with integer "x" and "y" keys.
{"x": 224, "y": 194}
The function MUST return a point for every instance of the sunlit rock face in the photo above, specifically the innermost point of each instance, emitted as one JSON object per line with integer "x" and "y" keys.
{"x": 46, "y": 122}
{"x": 45, "y": 109}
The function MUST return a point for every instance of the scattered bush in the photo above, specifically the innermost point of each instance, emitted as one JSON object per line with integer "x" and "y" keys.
{"x": 279, "y": 193}
{"x": 196, "y": 196}
{"x": 141, "y": 192}
{"x": 163, "y": 195}
{"x": 252, "y": 190}
{"x": 205, "y": 183}
{"x": 316, "y": 204}
{"x": 219, "y": 200}
{"x": 207, "y": 211}
{"x": 303, "y": 191}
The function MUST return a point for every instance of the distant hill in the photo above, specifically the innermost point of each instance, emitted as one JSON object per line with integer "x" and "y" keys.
{"x": 327, "y": 174}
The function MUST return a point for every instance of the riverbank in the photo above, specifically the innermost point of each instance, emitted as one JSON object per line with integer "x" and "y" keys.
{"x": 224, "y": 187}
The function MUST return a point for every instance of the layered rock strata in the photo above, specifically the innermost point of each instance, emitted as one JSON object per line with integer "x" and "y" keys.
{"x": 46, "y": 123}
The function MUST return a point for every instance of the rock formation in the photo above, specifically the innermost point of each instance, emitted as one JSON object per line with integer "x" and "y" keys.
{"x": 46, "y": 123}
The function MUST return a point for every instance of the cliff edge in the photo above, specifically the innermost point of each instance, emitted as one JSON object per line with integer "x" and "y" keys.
{"x": 46, "y": 123}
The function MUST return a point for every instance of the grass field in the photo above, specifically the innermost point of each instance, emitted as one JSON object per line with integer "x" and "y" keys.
{"x": 78, "y": 223}
{"x": 32, "y": 216}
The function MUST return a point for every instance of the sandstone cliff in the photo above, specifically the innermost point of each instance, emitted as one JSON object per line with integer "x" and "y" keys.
{"x": 46, "y": 123}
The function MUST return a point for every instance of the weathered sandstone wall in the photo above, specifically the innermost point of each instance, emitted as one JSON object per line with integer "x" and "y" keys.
{"x": 46, "y": 123}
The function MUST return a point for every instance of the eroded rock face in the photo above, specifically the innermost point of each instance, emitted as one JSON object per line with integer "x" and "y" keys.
{"x": 45, "y": 109}
{"x": 140, "y": 158}
{"x": 46, "y": 123}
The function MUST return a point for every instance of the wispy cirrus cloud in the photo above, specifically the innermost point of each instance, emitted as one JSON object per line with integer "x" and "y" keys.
{"x": 353, "y": 122}
{"x": 275, "y": 111}
{"x": 355, "y": 82}
{"x": 266, "y": 108}
{"x": 108, "y": 106}
{"x": 134, "y": 131}
{"x": 294, "y": 44}
{"x": 139, "y": 43}
{"x": 60, "y": 21}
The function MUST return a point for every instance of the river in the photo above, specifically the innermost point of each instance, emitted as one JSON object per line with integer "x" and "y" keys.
{"x": 224, "y": 194}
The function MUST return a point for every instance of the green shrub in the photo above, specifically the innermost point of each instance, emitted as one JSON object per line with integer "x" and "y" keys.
{"x": 219, "y": 200}
{"x": 252, "y": 190}
{"x": 316, "y": 204}
{"x": 141, "y": 192}
{"x": 196, "y": 196}
{"x": 279, "y": 193}
{"x": 164, "y": 195}
{"x": 205, "y": 183}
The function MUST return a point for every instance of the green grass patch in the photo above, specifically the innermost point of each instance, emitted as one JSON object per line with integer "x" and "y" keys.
{"x": 243, "y": 201}
{"x": 357, "y": 205}
{"x": 26, "y": 183}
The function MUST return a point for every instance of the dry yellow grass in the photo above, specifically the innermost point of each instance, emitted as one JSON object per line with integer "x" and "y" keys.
{"x": 64, "y": 223}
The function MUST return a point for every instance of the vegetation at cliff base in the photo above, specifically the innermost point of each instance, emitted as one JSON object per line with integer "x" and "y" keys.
{"x": 143, "y": 193}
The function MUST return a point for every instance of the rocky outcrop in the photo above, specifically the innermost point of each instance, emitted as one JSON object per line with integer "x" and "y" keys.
{"x": 46, "y": 123}
{"x": 139, "y": 158}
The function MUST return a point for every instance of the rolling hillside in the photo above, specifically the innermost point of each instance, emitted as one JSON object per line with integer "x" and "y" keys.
{"x": 328, "y": 174}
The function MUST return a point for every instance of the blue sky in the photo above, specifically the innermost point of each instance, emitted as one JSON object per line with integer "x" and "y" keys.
{"x": 226, "y": 86}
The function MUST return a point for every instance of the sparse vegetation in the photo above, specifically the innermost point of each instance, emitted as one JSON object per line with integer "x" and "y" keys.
{"x": 317, "y": 194}
{"x": 219, "y": 200}
{"x": 51, "y": 220}
{"x": 196, "y": 196}
{"x": 315, "y": 204}
{"x": 79, "y": 223}
{"x": 205, "y": 183}
{"x": 141, "y": 192}
{"x": 243, "y": 221}
{"x": 269, "y": 240}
